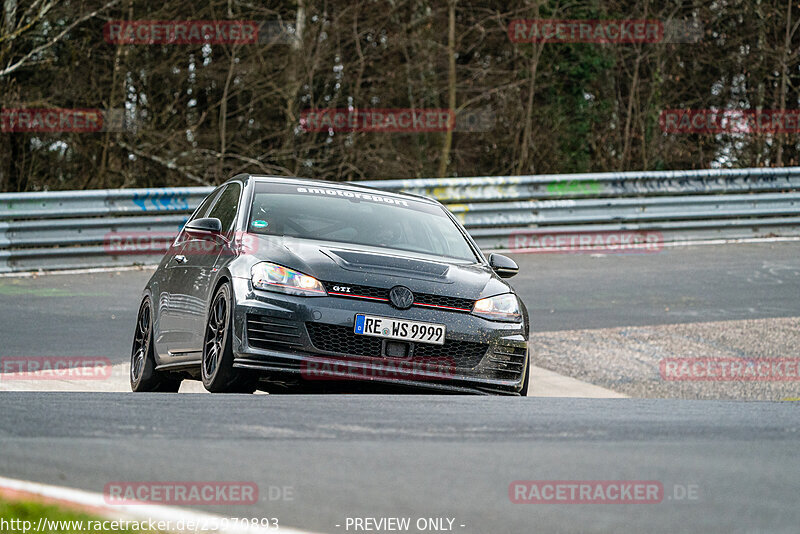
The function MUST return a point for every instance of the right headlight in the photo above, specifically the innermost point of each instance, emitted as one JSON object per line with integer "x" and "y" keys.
{"x": 273, "y": 277}
{"x": 503, "y": 307}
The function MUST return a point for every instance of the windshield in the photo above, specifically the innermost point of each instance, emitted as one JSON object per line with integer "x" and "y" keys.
{"x": 373, "y": 219}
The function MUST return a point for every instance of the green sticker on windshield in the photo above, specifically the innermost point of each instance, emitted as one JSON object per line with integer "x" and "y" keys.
{"x": 260, "y": 224}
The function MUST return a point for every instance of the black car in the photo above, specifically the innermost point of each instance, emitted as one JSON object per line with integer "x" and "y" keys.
{"x": 287, "y": 285}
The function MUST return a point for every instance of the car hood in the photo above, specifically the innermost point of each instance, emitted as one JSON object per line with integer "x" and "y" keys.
{"x": 345, "y": 263}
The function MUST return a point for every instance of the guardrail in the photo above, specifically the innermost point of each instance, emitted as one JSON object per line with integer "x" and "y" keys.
{"x": 73, "y": 229}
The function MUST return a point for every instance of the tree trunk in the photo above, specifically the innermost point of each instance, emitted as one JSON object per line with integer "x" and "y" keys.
{"x": 523, "y": 165}
{"x": 787, "y": 50}
{"x": 294, "y": 84}
{"x": 626, "y": 140}
{"x": 9, "y": 15}
{"x": 451, "y": 88}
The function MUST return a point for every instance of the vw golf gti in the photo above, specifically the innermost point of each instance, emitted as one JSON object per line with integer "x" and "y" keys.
{"x": 290, "y": 285}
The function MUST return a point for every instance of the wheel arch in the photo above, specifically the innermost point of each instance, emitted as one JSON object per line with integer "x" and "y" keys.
{"x": 224, "y": 277}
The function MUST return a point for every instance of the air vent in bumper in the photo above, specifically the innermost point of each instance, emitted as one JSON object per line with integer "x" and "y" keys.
{"x": 272, "y": 333}
{"x": 506, "y": 362}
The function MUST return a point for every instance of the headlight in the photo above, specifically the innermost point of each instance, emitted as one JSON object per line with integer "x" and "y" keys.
{"x": 499, "y": 308}
{"x": 277, "y": 278}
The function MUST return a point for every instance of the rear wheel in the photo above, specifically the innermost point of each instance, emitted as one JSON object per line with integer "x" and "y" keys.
{"x": 217, "y": 370}
{"x": 143, "y": 374}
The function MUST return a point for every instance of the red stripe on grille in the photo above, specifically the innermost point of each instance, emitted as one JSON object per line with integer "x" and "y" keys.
{"x": 444, "y": 307}
{"x": 356, "y": 296}
{"x": 352, "y": 295}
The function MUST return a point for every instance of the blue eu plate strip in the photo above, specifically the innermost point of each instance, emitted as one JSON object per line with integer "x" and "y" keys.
{"x": 359, "y": 324}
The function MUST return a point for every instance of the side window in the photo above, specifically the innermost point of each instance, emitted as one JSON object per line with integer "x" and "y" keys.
{"x": 200, "y": 212}
{"x": 225, "y": 207}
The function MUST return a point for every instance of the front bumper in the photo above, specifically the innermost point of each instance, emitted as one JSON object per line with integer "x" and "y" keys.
{"x": 311, "y": 338}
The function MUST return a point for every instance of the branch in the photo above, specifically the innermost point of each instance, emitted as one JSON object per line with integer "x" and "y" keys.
{"x": 267, "y": 167}
{"x": 11, "y": 68}
{"x": 13, "y": 34}
{"x": 168, "y": 164}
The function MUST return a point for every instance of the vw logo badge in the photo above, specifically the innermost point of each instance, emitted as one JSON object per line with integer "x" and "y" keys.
{"x": 401, "y": 297}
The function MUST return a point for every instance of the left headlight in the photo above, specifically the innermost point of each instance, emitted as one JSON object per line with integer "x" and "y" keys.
{"x": 273, "y": 277}
{"x": 503, "y": 307}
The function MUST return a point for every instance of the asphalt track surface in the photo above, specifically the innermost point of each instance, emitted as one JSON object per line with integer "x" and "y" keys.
{"x": 426, "y": 456}
{"x": 422, "y": 456}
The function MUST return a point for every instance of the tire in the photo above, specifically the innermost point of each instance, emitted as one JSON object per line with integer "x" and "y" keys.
{"x": 143, "y": 374}
{"x": 217, "y": 370}
{"x": 525, "y": 391}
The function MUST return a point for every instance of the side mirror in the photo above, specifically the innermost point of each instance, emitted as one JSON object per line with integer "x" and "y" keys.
{"x": 504, "y": 266}
{"x": 208, "y": 226}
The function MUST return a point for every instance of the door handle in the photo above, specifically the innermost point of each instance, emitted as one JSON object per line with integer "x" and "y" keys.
{"x": 180, "y": 258}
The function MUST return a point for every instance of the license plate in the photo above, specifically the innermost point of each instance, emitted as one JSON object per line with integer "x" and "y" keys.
{"x": 389, "y": 328}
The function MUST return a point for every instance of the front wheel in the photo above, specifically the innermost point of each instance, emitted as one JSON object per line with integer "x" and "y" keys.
{"x": 217, "y": 370}
{"x": 143, "y": 374}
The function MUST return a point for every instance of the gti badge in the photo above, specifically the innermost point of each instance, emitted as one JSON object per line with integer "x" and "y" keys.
{"x": 401, "y": 297}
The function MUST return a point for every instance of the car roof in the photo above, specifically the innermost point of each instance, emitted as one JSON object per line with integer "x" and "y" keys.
{"x": 334, "y": 185}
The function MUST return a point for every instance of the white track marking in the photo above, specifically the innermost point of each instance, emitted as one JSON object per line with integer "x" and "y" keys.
{"x": 119, "y": 382}
{"x": 95, "y": 504}
{"x": 545, "y": 384}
